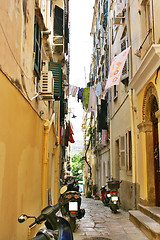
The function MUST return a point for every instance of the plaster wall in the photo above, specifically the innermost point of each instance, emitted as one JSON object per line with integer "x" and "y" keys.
{"x": 21, "y": 142}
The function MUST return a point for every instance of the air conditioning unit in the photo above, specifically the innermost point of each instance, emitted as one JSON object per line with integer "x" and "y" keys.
{"x": 46, "y": 85}
{"x": 118, "y": 13}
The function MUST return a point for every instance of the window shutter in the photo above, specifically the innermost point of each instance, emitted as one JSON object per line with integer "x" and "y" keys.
{"x": 126, "y": 66}
{"x": 58, "y": 21}
{"x": 57, "y": 75}
{"x": 123, "y": 150}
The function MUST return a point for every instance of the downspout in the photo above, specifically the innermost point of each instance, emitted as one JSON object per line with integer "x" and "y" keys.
{"x": 45, "y": 164}
{"x": 133, "y": 148}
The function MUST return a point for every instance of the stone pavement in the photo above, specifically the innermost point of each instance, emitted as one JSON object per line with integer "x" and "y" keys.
{"x": 99, "y": 223}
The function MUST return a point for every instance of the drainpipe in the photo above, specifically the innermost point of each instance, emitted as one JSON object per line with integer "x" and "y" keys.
{"x": 133, "y": 148}
{"x": 45, "y": 164}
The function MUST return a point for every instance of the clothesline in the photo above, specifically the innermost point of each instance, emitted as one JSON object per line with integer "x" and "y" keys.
{"x": 88, "y": 95}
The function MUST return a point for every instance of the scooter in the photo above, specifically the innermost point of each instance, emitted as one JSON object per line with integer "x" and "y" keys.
{"x": 57, "y": 228}
{"x": 72, "y": 210}
{"x": 105, "y": 195}
{"x": 114, "y": 202}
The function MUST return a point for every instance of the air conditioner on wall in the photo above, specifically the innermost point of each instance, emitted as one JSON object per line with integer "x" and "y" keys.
{"x": 46, "y": 85}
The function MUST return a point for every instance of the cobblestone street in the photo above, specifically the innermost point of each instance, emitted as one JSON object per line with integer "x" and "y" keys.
{"x": 100, "y": 223}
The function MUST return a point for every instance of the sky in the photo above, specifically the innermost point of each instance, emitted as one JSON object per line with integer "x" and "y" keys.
{"x": 80, "y": 18}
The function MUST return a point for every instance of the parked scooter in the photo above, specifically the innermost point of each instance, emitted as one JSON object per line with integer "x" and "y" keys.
{"x": 105, "y": 195}
{"x": 72, "y": 209}
{"x": 114, "y": 202}
{"x": 56, "y": 227}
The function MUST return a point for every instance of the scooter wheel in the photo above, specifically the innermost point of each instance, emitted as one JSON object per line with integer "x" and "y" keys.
{"x": 72, "y": 222}
{"x": 113, "y": 208}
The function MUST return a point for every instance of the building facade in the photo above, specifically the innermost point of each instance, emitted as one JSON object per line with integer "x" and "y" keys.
{"x": 34, "y": 64}
{"x": 131, "y": 152}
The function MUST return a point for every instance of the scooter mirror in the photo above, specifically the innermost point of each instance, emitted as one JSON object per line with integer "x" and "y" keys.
{"x": 22, "y": 218}
{"x": 63, "y": 189}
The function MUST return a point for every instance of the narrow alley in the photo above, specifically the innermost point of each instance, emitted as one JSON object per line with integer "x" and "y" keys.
{"x": 100, "y": 223}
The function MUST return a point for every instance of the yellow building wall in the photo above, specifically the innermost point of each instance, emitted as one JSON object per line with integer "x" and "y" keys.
{"x": 21, "y": 158}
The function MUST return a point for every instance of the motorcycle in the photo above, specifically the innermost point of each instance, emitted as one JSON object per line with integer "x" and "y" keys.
{"x": 105, "y": 195}
{"x": 114, "y": 202}
{"x": 72, "y": 210}
{"x": 57, "y": 227}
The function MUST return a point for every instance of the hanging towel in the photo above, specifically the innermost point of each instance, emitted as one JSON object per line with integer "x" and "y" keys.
{"x": 98, "y": 89}
{"x": 73, "y": 90}
{"x": 92, "y": 100}
{"x": 85, "y": 98}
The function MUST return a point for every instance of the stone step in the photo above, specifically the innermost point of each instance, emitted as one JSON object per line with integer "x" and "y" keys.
{"x": 152, "y": 212}
{"x": 146, "y": 224}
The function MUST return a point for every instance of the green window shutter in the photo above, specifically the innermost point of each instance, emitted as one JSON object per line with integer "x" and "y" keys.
{"x": 58, "y": 21}
{"x": 57, "y": 75}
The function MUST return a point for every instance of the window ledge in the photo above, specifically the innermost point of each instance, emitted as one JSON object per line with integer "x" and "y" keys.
{"x": 147, "y": 68}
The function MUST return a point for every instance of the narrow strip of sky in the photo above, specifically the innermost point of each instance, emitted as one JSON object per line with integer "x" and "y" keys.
{"x": 81, "y": 15}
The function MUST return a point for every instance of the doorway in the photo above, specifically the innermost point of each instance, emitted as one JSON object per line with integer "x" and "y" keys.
{"x": 117, "y": 160}
{"x": 154, "y": 109}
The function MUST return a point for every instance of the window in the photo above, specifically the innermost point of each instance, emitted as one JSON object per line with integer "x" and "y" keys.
{"x": 122, "y": 150}
{"x": 115, "y": 91}
{"x": 129, "y": 151}
{"x": 37, "y": 48}
{"x": 125, "y": 71}
{"x": 126, "y": 151}
{"x": 58, "y": 21}
{"x": 103, "y": 72}
{"x": 105, "y": 12}
{"x": 146, "y": 26}
{"x": 107, "y": 61}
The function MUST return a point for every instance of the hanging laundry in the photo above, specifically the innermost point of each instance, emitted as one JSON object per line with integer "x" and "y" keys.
{"x": 73, "y": 90}
{"x": 71, "y": 139}
{"x": 85, "y": 98}
{"x": 80, "y": 94}
{"x": 103, "y": 84}
{"x": 98, "y": 89}
{"x": 92, "y": 100}
{"x": 104, "y": 137}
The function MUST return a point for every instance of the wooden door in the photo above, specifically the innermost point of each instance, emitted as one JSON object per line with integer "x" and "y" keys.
{"x": 156, "y": 163}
